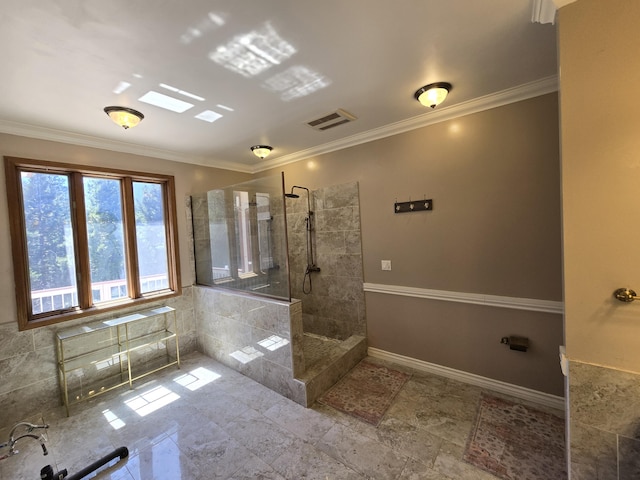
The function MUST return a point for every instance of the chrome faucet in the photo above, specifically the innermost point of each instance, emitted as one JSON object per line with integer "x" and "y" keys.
{"x": 13, "y": 440}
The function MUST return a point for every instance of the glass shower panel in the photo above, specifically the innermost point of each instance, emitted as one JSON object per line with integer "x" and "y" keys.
{"x": 240, "y": 238}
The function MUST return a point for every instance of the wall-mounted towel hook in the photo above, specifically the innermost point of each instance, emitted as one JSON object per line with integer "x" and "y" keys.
{"x": 625, "y": 295}
{"x": 413, "y": 206}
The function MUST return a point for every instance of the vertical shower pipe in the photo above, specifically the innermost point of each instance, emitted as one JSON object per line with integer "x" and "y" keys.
{"x": 310, "y": 224}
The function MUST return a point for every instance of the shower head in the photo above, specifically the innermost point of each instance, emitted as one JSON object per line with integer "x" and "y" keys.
{"x": 293, "y": 195}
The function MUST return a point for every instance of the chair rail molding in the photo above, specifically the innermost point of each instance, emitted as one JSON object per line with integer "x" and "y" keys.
{"x": 531, "y": 304}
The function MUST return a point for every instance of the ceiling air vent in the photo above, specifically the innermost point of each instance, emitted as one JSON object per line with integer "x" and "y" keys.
{"x": 339, "y": 117}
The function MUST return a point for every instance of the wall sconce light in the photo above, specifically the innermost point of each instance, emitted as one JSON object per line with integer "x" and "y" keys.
{"x": 123, "y": 116}
{"x": 261, "y": 151}
{"x": 433, "y": 94}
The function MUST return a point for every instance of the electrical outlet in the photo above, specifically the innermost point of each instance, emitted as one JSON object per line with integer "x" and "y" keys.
{"x": 386, "y": 264}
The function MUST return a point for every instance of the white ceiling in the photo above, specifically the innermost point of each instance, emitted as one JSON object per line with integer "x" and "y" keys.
{"x": 294, "y": 60}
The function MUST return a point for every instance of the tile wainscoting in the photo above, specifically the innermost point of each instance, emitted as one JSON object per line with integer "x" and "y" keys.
{"x": 28, "y": 359}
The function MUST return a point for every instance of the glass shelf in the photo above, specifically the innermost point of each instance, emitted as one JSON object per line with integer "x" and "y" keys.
{"x": 100, "y": 356}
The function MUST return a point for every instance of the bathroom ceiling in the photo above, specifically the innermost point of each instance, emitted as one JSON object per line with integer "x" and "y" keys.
{"x": 238, "y": 73}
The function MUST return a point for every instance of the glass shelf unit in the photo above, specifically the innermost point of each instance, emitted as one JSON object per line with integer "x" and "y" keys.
{"x": 100, "y": 356}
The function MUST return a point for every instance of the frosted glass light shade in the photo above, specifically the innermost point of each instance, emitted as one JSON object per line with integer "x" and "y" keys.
{"x": 433, "y": 94}
{"x": 123, "y": 116}
{"x": 261, "y": 151}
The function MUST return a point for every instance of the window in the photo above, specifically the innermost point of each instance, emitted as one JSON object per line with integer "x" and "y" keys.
{"x": 88, "y": 239}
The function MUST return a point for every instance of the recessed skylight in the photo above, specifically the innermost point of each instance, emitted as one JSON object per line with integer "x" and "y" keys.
{"x": 165, "y": 101}
{"x": 208, "y": 116}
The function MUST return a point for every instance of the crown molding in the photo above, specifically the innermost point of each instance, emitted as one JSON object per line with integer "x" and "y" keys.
{"x": 480, "y": 104}
{"x": 51, "y": 134}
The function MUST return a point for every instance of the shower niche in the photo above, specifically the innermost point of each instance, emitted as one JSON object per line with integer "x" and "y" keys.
{"x": 279, "y": 294}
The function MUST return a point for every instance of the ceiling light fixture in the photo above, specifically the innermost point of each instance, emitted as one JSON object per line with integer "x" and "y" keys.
{"x": 433, "y": 94}
{"x": 261, "y": 151}
{"x": 123, "y": 116}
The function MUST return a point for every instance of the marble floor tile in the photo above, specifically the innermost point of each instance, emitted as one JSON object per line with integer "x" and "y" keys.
{"x": 161, "y": 461}
{"x": 306, "y": 423}
{"x": 207, "y": 421}
{"x": 261, "y": 435}
{"x": 372, "y": 459}
{"x": 415, "y": 470}
{"x": 256, "y": 469}
{"x": 304, "y": 461}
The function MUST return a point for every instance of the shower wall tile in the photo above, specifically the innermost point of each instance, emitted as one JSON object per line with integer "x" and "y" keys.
{"x": 255, "y": 336}
{"x": 279, "y": 379}
{"x": 345, "y": 288}
{"x": 353, "y": 242}
{"x": 336, "y": 196}
{"x": 331, "y": 242}
{"x": 274, "y": 348}
{"x": 298, "y": 205}
{"x": 605, "y": 423}
{"x": 297, "y": 222}
{"x": 338, "y": 219}
{"x": 332, "y": 327}
{"x": 269, "y": 317}
{"x": 247, "y": 361}
{"x": 229, "y": 305}
{"x": 333, "y": 307}
{"x": 340, "y": 309}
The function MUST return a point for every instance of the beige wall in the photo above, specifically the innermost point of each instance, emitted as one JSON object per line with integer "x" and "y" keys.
{"x": 494, "y": 180}
{"x": 600, "y": 75}
{"x": 494, "y": 229}
{"x": 189, "y": 179}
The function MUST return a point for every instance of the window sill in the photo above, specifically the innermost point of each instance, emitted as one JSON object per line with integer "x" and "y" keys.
{"x": 114, "y": 306}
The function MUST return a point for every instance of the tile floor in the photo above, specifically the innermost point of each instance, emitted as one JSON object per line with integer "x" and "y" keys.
{"x": 206, "y": 421}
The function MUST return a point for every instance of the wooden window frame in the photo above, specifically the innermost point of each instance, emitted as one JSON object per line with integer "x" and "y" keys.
{"x": 26, "y": 319}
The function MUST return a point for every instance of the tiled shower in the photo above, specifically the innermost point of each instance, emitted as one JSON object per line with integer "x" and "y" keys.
{"x": 297, "y": 347}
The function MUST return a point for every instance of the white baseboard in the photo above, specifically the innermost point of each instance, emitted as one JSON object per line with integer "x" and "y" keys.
{"x": 523, "y": 393}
